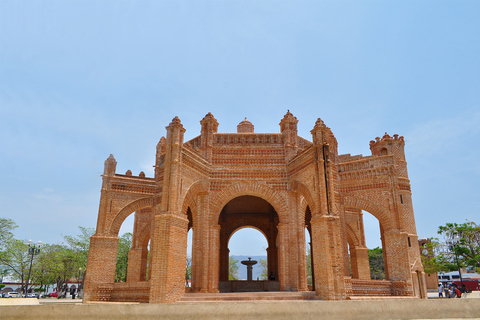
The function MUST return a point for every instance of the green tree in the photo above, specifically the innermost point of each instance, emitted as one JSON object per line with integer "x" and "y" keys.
{"x": 233, "y": 267}
{"x": 15, "y": 260}
{"x": 6, "y": 228}
{"x": 377, "y": 268}
{"x": 48, "y": 265}
{"x": 124, "y": 245}
{"x": 264, "y": 269}
{"x": 80, "y": 244}
{"x": 6, "y": 235}
{"x": 432, "y": 262}
{"x": 309, "y": 267}
{"x": 461, "y": 246}
{"x": 188, "y": 270}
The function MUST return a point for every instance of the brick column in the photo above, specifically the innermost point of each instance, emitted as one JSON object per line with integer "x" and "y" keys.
{"x": 396, "y": 252}
{"x": 282, "y": 242}
{"x": 360, "y": 263}
{"x": 214, "y": 273}
{"x": 134, "y": 265}
{"x": 169, "y": 254}
{"x": 328, "y": 259}
{"x": 102, "y": 261}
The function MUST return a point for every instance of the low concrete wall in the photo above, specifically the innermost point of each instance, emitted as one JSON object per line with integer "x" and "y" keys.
{"x": 380, "y": 310}
{"x": 18, "y": 302}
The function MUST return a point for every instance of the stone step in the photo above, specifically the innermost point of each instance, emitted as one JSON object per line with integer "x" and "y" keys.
{"x": 379, "y": 297}
{"x": 248, "y": 296}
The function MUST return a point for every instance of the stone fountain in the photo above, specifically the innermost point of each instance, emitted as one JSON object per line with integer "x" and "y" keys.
{"x": 249, "y": 263}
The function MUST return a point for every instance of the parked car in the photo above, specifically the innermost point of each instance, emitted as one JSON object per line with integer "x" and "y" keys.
{"x": 52, "y": 295}
{"x": 32, "y": 295}
{"x": 12, "y": 294}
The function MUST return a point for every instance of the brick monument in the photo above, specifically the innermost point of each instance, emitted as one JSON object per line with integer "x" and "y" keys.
{"x": 277, "y": 183}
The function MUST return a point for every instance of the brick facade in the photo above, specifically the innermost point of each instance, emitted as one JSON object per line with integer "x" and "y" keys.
{"x": 277, "y": 183}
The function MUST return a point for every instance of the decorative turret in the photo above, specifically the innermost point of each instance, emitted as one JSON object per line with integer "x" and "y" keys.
{"x": 245, "y": 127}
{"x": 110, "y": 166}
{"x": 394, "y": 146}
{"x": 175, "y": 132}
{"x": 209, "y": 128}
{"x": 288, "y": 128}
{"x": 323, "y": 135}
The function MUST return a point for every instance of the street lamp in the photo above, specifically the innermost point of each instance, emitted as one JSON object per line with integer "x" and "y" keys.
{"x": 33, "y": 249}
{"x": 455, "y": 241}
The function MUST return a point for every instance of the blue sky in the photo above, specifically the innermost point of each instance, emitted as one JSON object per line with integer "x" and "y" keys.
{"x": 80, "y": 80}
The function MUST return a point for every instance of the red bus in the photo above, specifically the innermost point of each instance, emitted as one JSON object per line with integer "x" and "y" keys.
{"x": 470, "y": 285}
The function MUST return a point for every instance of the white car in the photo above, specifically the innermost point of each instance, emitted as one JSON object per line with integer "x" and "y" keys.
{"x": 12, "y": 294}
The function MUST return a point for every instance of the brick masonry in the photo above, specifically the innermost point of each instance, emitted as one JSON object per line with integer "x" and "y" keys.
{"x": 278, "y": 183}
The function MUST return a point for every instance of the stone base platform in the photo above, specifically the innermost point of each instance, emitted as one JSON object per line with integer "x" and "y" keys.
{"x": 407, "y": 309}
{"x": 249, "y": 296}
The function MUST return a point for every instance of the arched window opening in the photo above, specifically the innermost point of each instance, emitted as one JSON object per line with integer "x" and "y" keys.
{"x": 124, "y": 245}
{"x": 374, "y": 244}
{"x": 188, "y": 272}
{"x": 384, "y": 152}
{"x": 309, "y": 250}
{"x": 189, "y": 265}
{"x": 248, "y": 243}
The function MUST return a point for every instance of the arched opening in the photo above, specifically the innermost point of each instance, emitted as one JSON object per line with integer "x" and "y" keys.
{"x": 253, "y": 212}
{"x": 308, "y": 237}
{"x": 373, "y": 241}
{"x": 384, "y": 152}
{"x": 248, "y": 243}
{"x": 125, "y": 236}
{"x": 189, "y": 263}
{"x": 364, "y": 245}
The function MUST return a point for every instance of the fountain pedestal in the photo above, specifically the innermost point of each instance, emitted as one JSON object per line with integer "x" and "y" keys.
{"x": 249, "y": 263}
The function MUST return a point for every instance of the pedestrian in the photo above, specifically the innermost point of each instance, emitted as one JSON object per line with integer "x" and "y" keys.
{"x": 440, "y": 290}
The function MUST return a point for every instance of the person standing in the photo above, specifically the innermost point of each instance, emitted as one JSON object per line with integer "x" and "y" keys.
{"x": 440, "y": 290}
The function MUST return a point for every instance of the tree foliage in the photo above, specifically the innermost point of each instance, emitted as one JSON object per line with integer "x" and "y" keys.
{"x": 460, "y": 246}
{"x": 233, "y": 268}
{"x": 15, "y": 259}
{"x": 124, "y": 245}
{"x": 263, "y": 269}
{"x": 309, "y": 267}
{"x": 377, "y": 268}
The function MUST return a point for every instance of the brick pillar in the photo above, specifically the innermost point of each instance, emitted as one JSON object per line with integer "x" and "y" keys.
{"x": 144, "y": 264}
{"x": 134, "y": 264}
{"x": 360, "y": 263}
{"x": 169, "y": 254}
{"x": 396, "y": 252}
{"x": 282, "y": 242}
{"x": 328, "y": 258}
{"x": 302, "y": 260}
{"x": 102, "y": 261}
{"x": 214, "y": 273}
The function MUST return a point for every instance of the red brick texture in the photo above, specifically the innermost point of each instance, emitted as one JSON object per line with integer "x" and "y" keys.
{"x": 277, "y": 183}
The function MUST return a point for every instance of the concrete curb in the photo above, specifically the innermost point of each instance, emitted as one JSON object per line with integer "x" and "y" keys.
{"x": 380, "y": 310}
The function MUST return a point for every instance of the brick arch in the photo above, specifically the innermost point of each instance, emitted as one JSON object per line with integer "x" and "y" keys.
{"x": 235, "y": 190}
{"x": 189, "y": 201}
{"x": 244, "y": 227}
{"x": 352, "y": 235}
{"x": 303, "y": 206}
{"x": 301, "y": 188}
{"x": 143, "y": 236}
{"x": 130, "y": 208}
{"x": 377, "y": 211}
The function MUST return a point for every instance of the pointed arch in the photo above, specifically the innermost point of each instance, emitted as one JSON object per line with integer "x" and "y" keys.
{"x": 352, "y": 235}
{"x": 130, "y": 208}
{"x": 378, "y": 212}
